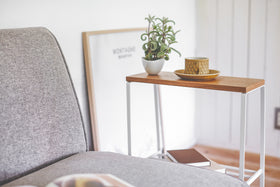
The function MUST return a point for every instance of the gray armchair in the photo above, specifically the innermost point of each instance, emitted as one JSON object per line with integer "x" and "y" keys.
{"x": 42, "y": 132}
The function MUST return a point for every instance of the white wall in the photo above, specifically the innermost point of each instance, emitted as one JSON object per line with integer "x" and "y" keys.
{"x": 241, "y": 38}
{"x": 67, "y": 19}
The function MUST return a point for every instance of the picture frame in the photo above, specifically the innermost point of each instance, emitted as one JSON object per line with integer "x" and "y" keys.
{"x": 117, "y": 50}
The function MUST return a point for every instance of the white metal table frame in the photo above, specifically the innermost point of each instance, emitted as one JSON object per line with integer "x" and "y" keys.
{"x": 161, "y": 141}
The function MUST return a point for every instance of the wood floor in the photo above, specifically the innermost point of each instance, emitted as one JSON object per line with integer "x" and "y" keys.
{"x": 231, "y": 157}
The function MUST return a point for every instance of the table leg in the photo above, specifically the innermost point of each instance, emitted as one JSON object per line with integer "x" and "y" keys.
{"x": 242, "y": 135}
{"x": 159, "y": 122}
{"x": 262, "y": 137}
{"x": 128, "y": 118}
{"x": 157, "y": 117}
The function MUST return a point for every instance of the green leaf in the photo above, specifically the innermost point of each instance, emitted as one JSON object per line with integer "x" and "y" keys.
{"x": 154, "y": 32}
{"x": 164, "y": 20}
{"x": 170, "y": 21}
{"x": 176, "y": 51}
{"x": 159, "y": 19}
{"x": 144, "y": 36}
{"x": 153, "y": 45}
{"x": 171, "y": 37}
{"x": 150, "y": 18}
{"x": 144, "y": 46}
{"x": 160, "y": 54}
{"x": 174, "y": 33}
{"x": 172, "y": 42}
{"x": 163, "y": 47}
{"x": 166, "y": 57}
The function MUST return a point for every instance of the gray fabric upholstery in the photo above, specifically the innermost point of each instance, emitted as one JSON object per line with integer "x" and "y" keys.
{"x": 40, "y": 120}
{"x": 136, "y": 171}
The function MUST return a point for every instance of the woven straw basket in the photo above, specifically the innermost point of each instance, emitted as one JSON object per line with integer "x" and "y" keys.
{"x": 197, "y": 65}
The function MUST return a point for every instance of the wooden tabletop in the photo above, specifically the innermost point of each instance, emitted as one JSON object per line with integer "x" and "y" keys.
{"x": 232, "y": 84}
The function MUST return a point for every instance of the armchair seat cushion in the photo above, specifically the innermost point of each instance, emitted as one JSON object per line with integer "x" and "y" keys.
{"x": 136, "y": 171}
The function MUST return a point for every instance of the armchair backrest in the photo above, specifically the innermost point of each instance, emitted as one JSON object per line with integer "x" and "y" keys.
{"x": 40, "y": 118}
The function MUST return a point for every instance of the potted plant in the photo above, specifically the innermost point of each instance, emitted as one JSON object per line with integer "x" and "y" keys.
{"x": 158, "y": 40}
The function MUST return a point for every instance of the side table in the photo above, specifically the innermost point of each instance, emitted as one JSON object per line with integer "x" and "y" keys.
{"x": 222, "y": 83}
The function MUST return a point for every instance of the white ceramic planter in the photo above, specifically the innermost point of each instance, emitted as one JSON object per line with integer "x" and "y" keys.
{"x": 153, "y": 67}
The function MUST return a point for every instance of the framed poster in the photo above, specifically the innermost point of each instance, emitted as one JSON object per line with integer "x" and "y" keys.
{"x": 110, "y": 56}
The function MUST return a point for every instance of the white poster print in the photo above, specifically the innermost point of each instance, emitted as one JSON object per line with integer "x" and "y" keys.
{"x": 113, "y": 56}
